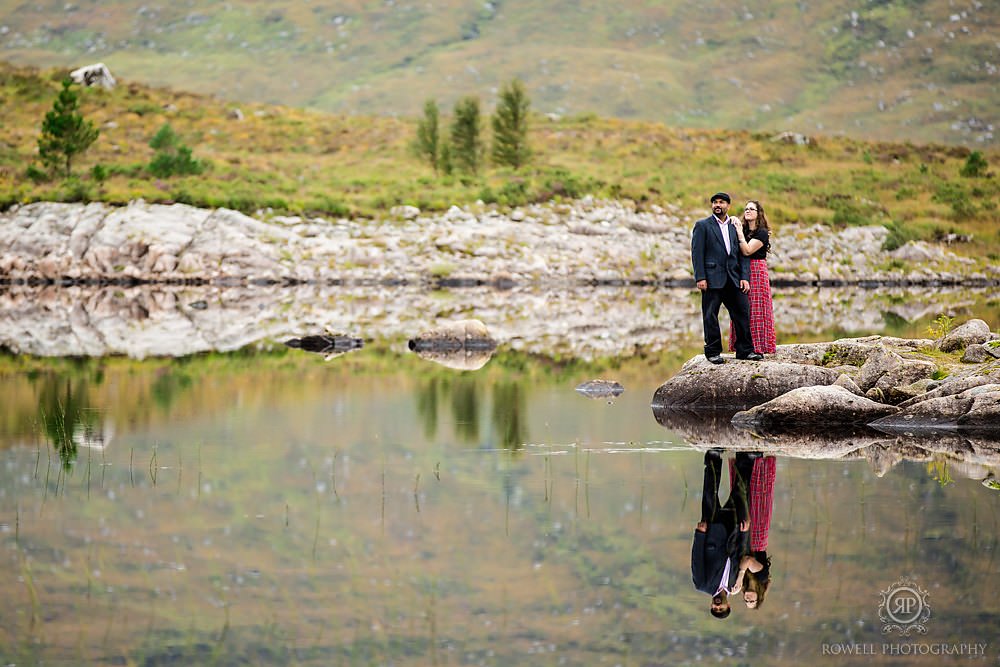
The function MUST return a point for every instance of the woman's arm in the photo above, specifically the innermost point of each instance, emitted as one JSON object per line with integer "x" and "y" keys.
{"x": 747, "y": 248}
{"x": 750, "y": 563}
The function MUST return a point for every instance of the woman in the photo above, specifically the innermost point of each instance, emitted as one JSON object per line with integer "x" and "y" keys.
{"x": 754, "y": 575}
{"x": 755, "y": 242}
{"x": 754, "y": 579}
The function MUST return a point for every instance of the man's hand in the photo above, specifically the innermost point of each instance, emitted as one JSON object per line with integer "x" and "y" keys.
{"x": 701, "y": 527}
{"x": 744, "y": 526}
{"x": 703, "y": 285}
{"x": 745, "y": 286}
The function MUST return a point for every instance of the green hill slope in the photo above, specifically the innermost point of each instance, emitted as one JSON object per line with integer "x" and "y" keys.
{"x": 921, "y": 70}
{"x": 309, "y": 162}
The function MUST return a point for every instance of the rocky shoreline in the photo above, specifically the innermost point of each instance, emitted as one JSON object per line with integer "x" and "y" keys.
{"x": 584, "y": 242}
{"x": 895, "y": 385}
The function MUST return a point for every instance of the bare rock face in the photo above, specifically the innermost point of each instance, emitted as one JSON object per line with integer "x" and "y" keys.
{"x": 736, "y": 384}
{"x": 973, "y": 331}
{"x": 976, "y": 354}
{"x": 813, "y": 406}
{"x": 878, "y": 362}
{"x": 977, "y": 407}
{"x": 850, "y": 385}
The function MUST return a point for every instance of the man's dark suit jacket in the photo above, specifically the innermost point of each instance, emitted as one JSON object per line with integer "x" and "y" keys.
{"x": 710, "y": 259}
{"x": 710, "y": 551}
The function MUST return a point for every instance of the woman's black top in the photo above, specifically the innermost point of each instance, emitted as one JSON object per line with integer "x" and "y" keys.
{"x": 764, "y": 237}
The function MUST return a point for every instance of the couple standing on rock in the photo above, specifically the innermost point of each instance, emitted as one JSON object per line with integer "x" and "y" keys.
{"x": 730, "y": 268}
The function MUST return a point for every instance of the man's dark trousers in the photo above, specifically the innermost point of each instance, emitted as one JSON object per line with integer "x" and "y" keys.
{"x": 737, "y": 507}
{"x": 738, "y": 306}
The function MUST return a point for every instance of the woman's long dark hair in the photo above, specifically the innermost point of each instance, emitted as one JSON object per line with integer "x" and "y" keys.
{"x": 761, "y": 223}
{"x": 758, "y": 582}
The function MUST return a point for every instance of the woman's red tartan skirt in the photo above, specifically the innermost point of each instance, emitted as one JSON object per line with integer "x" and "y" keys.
{"x": 760, "y": 496}
{"x": 761, "y": 311}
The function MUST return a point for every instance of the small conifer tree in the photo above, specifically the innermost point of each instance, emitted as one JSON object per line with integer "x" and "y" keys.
{"x": 65, "y": 132}
{"x": 510, "y": 126}
{"x": 466, "y": 143}
{"x": 172, "y": 157}
{"x": 426, "y": 145}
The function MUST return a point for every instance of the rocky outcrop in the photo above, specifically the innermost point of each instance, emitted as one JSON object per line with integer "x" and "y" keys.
{"x": 888, "y": 371}
{"x": 976, "y": 408}
{"x": 585, "y": 241}
{"x": 736, "y": 384}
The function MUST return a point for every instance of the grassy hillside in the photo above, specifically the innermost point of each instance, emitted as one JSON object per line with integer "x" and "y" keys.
{"x": 310, "y": 162}
{"x": 920, "y": 70}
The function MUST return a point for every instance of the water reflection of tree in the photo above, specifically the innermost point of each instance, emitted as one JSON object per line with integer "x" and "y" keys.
{"x": 464, "y": 394}
{"x": 508, "y": 414}
{"x": 427, "y": 406}
{"x": 63, "y": 411}
{"x": 465, "y": 407}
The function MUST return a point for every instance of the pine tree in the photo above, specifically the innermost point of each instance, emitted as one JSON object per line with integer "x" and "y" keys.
{"x": 426, "y": 144}
{"x": 466, "y": 144}
{"x": 510, "y": 127}
{"x": 65, "y": 133}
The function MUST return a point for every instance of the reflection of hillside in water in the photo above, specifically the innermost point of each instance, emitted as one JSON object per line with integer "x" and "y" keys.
{"x": 968, "y": 455}
{"x": 583, "y": 322}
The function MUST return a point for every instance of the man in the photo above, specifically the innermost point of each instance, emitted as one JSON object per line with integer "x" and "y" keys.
{"x": 722, "y": 536}
{"x": 723, "y": 276}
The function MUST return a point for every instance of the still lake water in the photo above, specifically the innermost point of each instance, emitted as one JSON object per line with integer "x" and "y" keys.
{"x": 268, "y": 507}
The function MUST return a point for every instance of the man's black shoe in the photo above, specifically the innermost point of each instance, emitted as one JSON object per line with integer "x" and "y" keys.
{"x": 713, "y": 453}
{"x": 753, "y": 356}
{"x": 717, "y": 359}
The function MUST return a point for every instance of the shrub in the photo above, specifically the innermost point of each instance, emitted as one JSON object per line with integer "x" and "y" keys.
{"x": 36, "y": 174}
{"x": 172, "y": 157}
{"x": 975, "y": 165}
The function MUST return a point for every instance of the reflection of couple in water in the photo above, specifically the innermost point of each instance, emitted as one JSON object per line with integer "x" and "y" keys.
{"x": 729, "y": 554}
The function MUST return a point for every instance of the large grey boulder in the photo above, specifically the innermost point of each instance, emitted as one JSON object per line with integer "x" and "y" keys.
{"x": 736, "y": 384}
{"x": 973, "y": 331}
{"x": 813, "y": 407}
{"x": 97, "y": 74}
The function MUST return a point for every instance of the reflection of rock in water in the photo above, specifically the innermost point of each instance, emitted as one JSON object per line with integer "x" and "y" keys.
{"x": 464, "y": 345}
{"x": 964, "y": 454}
{"x": 330, "y": 345}
{"x": 461, "y": 359}
{"x": 601, "y": 389}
